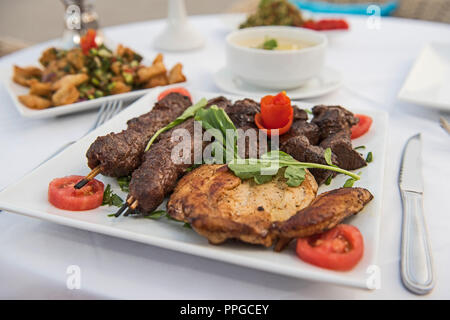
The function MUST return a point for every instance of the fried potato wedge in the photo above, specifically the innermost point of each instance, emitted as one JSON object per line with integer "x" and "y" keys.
{"x": 24, "y": 76}
{"x": 176, "y": 74}
{"x": 43, "y": 89}
{"x": 34, "y": 102}
{"x": 70, "y": 80}
{"x": 156, "y": 81}
{"x": 145, "y": 73}
{"x": 120, "y": 87}
{"x": 65, "y": 95}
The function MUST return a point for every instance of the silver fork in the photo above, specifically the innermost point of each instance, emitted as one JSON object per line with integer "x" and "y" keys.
{"x": 107, "y": 111}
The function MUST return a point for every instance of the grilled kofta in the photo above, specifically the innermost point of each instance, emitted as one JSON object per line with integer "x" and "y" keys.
{"x": 157, "y": 176}
{"x": 119, "y": 154}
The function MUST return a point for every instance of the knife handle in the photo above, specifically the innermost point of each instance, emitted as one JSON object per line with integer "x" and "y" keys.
{"x": 416, "y": 263}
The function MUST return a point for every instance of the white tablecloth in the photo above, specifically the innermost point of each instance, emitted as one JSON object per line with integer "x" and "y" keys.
{"x": 34, "y": 255}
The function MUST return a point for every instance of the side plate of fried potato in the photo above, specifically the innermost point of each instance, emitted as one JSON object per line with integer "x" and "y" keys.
{"x": 75, "y": 89}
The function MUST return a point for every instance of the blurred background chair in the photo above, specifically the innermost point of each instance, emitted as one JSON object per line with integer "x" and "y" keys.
{"x": 19, "y": 29}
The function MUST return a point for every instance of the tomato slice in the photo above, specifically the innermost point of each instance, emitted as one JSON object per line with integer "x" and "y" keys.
{"x": 362, "y": 126}
{"x": 340, "y": 248}
{"x": 179, "y": 90}
{"x": 63, "y": 195}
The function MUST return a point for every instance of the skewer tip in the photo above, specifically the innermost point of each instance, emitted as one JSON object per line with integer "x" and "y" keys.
{"x": 81, "y": 183}
{"x": 121, "y": 210}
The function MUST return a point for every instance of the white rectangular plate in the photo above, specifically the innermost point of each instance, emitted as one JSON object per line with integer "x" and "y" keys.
{"x": 15, "y": 90}
{"x": 428, "y": 83}
{"x": 29, "y": 197}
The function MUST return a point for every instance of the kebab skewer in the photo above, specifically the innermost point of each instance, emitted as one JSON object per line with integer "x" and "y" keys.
{"x": 119, "y": 154}
{"x": 158, "y": 175}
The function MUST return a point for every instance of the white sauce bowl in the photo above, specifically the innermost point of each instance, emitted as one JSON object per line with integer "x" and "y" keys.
{"x": 276, "y": 69}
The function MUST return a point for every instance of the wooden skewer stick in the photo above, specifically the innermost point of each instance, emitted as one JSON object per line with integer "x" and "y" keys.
{"x": 88, "y": 178}
{"x": 121, "y": 210}
{"x": 134, "y": 205}
{"x": 130, "y": 200}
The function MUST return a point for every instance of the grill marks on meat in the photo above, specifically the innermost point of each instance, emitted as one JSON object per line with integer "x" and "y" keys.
{"x": 158, "y": 174}
{"x": 119, "y": 154}
{"x": 220, "y": 206}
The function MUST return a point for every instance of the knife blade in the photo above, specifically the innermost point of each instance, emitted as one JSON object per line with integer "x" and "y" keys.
{"x": 416, "y": 260}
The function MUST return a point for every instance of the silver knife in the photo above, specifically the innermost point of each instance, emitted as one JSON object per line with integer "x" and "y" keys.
{"x": 416, "y": 262}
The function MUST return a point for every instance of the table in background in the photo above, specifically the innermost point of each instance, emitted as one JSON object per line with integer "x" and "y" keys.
{"x": 34, "y": 254}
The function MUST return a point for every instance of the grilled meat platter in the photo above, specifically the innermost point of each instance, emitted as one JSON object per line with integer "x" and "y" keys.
{"x": 235, "y": 200}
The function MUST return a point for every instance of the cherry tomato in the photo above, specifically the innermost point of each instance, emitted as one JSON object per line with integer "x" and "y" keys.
{"x": 276, "y": 111}
{"x": 362, "y": 126}
{"x": 87, "y": 42}
{"x": 180, "y": 90}
{"x": 63, "y": 195}
{"x": 340, "y": 248}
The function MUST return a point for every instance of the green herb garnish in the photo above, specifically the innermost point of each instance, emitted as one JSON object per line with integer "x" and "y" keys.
{"x": 110, "y": 198}
{"x": 269, "y": 44}
{"x": 349, "y": 183}
{"x": 155, "y": 215}
{"x": 328, "y": 181}
{"x": 188, "y": 113}
{"x": 360, "y": 147}
{"x": 216, "y": 120}
{"x": 261, "y": 170}
{"x": 308, "y": 111}
{"x": 124, "y": 183}
{"x": 369, "y": 157}
{"x": 158, "y": 214}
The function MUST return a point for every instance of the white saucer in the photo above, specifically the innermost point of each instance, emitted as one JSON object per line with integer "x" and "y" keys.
{"x": 328, "y": 81}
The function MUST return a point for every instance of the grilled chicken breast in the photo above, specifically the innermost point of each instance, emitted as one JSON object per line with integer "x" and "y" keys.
{"x": 221, "y": 206}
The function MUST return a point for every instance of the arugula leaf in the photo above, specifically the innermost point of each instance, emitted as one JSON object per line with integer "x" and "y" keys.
{"x": 349, "y": 183}
{"x": 155, "y": 215}
{"x": 188, "y": 113}
{"x": 308, "y": 111}
{"x": 263, "y": 169}
{"x": 110, "y": 198}
{"x": 219, "y": 123}
{"x": 369, "y": 157}
{"x": 270, "y": 163}
{"x": 328, "y": 181}
{"x": 124, "y": 183}
{"x": 360, "y": 147}
{"x": 187, "y": 225}
{"x": 295, "y": 176}
{"x": 327, "y": 156}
